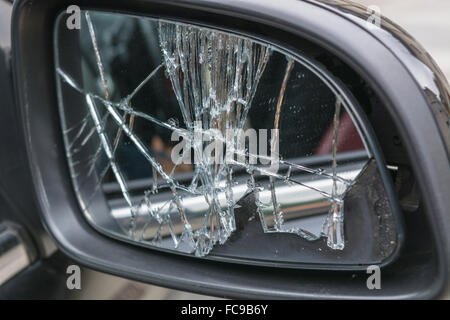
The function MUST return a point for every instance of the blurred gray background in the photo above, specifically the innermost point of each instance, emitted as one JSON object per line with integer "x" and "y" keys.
{"x": 428, "y": 21}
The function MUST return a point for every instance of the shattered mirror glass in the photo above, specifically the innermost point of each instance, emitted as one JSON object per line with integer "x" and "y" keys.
{"x": 204, "y": 142}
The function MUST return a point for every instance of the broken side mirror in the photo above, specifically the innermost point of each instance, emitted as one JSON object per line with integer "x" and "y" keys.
{"x": 185, "y": 144}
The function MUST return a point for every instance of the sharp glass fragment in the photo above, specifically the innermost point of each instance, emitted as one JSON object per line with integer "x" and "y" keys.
{"x": 144, "y": 83}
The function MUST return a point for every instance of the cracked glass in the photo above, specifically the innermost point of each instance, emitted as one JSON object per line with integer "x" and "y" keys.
{"x": 180, "y": 136}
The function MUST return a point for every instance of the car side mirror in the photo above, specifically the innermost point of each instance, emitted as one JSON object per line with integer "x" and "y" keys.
{"x": 172, "y": 138}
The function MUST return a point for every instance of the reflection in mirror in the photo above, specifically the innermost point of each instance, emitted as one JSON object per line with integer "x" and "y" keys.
{"x": 179, "y": 136}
